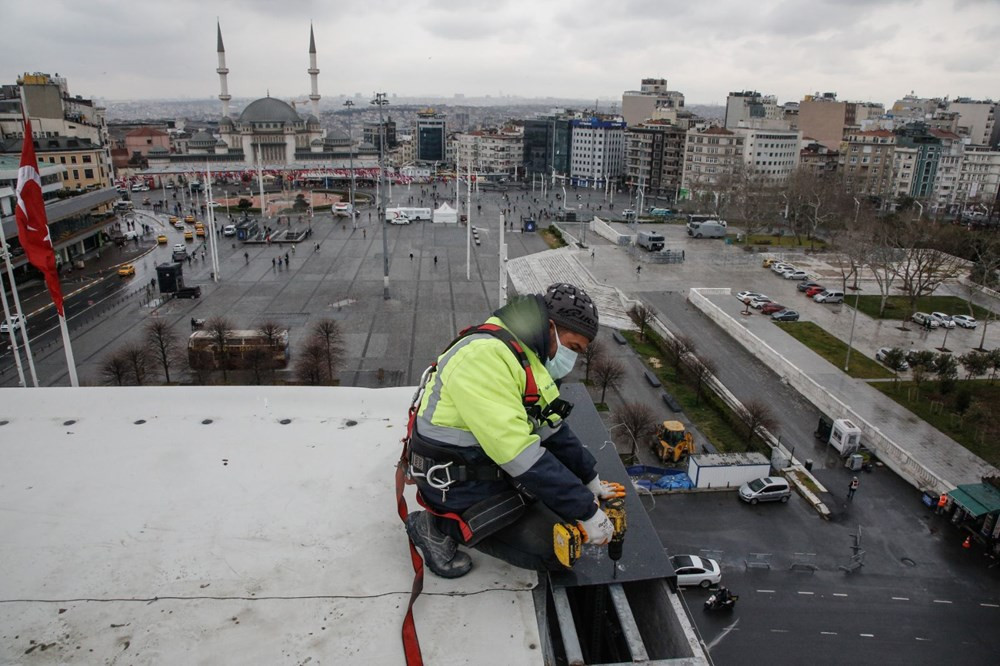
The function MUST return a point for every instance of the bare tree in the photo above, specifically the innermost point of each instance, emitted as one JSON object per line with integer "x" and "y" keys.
{"x": 327, "y": 333}
{"x": 310, "y": 368}
{"x": 702, "y": 369}
{"x": 749, "y": 198}
{"x": 679, "y": 345}
{"x": 221, "y": 329}
{"x": 641, "y": 316}
{"x": 273, "y": 334}
{"x": 638, "y": 421}
{"x": 594, "y": 351}
{"x": 163, "y": 346}
{"x": 608, "y": 373}
{"x": 985, "y": 253}
{"x": 137, "y": 357}
{"x": 114, "y": 369}
{"x": 258, "y": 362}
{"x": 755, "y": 415}
{"x": 926, "y": 261}
{"x": 883, "y": 257}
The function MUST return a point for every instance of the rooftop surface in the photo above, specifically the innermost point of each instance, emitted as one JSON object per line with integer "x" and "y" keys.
{"x": 136, "y": 530}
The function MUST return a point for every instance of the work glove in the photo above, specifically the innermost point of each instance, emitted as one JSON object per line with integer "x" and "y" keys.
{"x": 605, "y": 489}
{"x": 597, "y": 529}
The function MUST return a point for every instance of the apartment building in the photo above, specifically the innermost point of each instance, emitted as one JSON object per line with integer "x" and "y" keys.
{"x": 597, "y": 151}
{"x": 641, "y": 105}
{"x": 949, "y": 168}
{"x": 750, "y": 108}
{"x": 654, "y": 155}
{"x": 500, "y": 152}
{"x": 977, "y": 120}
{"x": 866, "y": 162}
{"x": 822, "y": 118}
{"x": 978, "y": 178}
{"x": 817, "y": 158}
{"x": 773, "y": 154}
{"x": 710, "y": 154}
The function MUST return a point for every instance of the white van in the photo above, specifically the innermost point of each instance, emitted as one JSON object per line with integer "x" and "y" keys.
{"x": 650, "y": 240}
{"x": 396, "y": 216}
{"x": 829, "y": 296}
{"x": 411, "y": 214}
{"x": 229, "y": 230}
{"x": 707, "y": 229}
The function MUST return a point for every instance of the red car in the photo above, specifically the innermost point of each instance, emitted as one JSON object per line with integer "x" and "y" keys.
{"x": 814, "y": 290}
{"x": 771, "y": 307}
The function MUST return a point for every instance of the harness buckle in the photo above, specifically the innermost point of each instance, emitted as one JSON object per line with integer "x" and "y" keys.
{"x": 434, "y": 482}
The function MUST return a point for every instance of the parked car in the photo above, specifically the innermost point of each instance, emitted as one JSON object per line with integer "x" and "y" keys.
{"x": 781, "y": 266}
{"x": 812, "y": 291}
{"x": 943, "y": 319}
{"x": 744, "y": 295}
{"x": 785, "y": 315}
{"x": 965, "y": 321}
{"x": 795, "y": 275}
{"x": 806, "y": 285}
{"x": 766, "y": 489}
{"x": 771, "y": 308}
{"x": 695, "y": 570}
{"x": 767, "y": 263}
{"x": 925, "y": 319}
{"x": 188, "y": 292}
{"x": 759, "y": 302}
{"x": 829, "y": 296}
{"x": 15, "y": 322}
{"x": 880, "y": 356}
{"x": 126, "y": 270}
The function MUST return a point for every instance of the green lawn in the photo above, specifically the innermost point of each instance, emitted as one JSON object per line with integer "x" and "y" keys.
{"x": 785, "y": 241}
{"x": 977, "y": 431}
{"x": 707, "y": 415}
{"x": 897, "y": 307}
{"x": 833, "y": 350}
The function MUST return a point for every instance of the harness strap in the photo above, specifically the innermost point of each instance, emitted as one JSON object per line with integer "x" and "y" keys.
{"x": 531, "y": 394}
{"x": 411, "y": 644}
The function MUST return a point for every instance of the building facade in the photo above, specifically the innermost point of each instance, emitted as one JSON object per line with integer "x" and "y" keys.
{"x": 977, "y": 120}
{"x": 597, "y": 151}
{"x": 430, "y": 133}
{"x": 772, "y": 154}
{"x": 710, "y": 155}
{"x": 749, "y": 108}
{"x": 547, "y": 144}
{"x": 978, "y": 179}
{"x": 822, "y": 118}
{"x": 654, "y": 156}
{"x": 499, "y": 152}
{"x": 866, "y": 162}
{"x": 653, "y": 95}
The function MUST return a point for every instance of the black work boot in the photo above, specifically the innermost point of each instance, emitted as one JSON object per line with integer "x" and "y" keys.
{"x": 439, "y": 550}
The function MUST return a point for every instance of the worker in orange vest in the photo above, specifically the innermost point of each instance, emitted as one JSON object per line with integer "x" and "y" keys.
{"x": 942, "y": 503}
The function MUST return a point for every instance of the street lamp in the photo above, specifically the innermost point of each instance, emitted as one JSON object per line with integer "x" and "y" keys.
{"x": 380, "y": 101}
{"x": 350, "y": 152}
{"x": 921, "y": 213}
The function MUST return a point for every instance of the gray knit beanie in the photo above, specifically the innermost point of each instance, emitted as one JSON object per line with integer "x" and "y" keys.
{"x": 570, "y": 307}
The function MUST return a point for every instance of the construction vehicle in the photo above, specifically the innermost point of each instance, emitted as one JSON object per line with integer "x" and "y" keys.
{"x": 674, "y": 443}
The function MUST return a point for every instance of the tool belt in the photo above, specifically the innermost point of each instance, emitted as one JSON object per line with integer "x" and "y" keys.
{"x": 440, "y": 468}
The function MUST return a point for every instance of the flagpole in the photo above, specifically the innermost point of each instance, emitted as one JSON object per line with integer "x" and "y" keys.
{"x": 11, "y": 331}
{"x": 24, "y": 319}
{"x": 70, "y": 362}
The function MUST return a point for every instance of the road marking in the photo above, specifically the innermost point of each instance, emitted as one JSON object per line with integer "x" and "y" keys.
{"x": 766, "y": 591}
{"x": 867, "y": 635}
{"x": 921, "y": 639}
{"x": 779, "y": 631}
{"x": 990, "y": 605}
{"x": 900, "y": 598}
{"x": 800, "y": 592}
{"x": 839, "y": 594}
{"x": 725, "y": 632}
{"x": 941, "y": 601}
{"x": 828, "y": 633}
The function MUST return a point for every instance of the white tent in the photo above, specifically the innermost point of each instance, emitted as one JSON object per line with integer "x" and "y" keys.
{"x": 445, "y": 215}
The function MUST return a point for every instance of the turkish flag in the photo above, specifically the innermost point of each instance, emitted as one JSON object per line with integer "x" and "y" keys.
{"x": 32, "y": 224}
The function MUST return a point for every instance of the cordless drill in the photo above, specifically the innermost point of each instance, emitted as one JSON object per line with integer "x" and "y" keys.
{"x": 615, "y": 510}
{"x": 567, "y": 541}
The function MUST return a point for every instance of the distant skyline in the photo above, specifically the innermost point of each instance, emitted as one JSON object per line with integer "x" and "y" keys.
{"x": 864, "y": 50}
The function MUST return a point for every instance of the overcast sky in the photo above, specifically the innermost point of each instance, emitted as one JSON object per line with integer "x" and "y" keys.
{"x": 875, "y": 50}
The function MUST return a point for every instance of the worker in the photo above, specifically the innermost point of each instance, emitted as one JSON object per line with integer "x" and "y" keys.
{"x": 495, "y": 472}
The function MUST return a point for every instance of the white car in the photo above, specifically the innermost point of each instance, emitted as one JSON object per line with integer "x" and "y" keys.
{"x": 943, "y": 319}
{"x": 925, "y": 319}
{"x": 694, "y": 570}
{"x": 229, "y": 230}
{"x": 965, "y": 321}
{"x": 759, "y": 302}
{"x": 15, "y": 321}
{"x": 180, "y": 247}
{"x": 744, "y": 295}
{"x": 781, "y": 267}
{"x": 795, "y": 275}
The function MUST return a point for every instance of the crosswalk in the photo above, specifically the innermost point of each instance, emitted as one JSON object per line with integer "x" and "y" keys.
{"x": 533, "y": 273}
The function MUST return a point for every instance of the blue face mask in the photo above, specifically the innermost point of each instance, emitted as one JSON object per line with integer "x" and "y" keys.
{"x": 562, "y": 363}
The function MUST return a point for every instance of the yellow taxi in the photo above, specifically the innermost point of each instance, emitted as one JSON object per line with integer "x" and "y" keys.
{"x": 161, "y": 239}
{"x": 126, "y": 270}
{"x": 200, "y": 230}
{"x": 173, "y": 219}
{"x": 767, "y": 262}
{"x": 188, "y": 236}
{"x": 189, "y": 219}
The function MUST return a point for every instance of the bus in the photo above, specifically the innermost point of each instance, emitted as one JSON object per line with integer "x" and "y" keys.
{"x": 243, "y": 349}
{"x": 412, "y": 214}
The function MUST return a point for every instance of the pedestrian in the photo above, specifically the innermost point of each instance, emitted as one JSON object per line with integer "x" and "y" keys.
{"x": 851, "y": 489}
{"x": 411, "y": 256}
{"x": 593, "y": 253}
{"x": 435, "y": 260}
{"x": 364, "y": 233}
{"x": 246, "y": 257}
{"x": 286, "y": 258}
{"x": 638, "y": 272}
{"x": 274, "y": 263}
{"x": 293, "y": 249}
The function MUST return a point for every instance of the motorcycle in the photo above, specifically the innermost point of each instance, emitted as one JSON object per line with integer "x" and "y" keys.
{"x": 721, "y": 600}
{"x": 197, "y": 323}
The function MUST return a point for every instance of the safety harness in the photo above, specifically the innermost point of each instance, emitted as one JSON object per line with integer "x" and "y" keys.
{"x": 440, "y": 474}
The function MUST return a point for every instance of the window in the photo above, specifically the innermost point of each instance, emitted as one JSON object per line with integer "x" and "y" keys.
{"x": 72, "y": 159}
{"x": 87, "y": 159}
{"x": 88, "y": 173}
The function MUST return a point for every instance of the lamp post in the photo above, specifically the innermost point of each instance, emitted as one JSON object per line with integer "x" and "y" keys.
{"x": 854, "y": 321}
{"x": 921, "y": 213}
{"x": 350, "y": 152}
{"x": 380, "y": 101}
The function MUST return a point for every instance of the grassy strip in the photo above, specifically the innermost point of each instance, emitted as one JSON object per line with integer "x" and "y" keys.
{"x": 553, "y": 238}
{"x": 833, "y": 350}
{"x": 977, "y": 430}
{"x": 710, "y": 415}
{"x": 898, "y": 307}
{"x": 785, "y": 241}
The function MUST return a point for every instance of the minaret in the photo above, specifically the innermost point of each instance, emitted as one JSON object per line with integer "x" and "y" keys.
{"x": 313, "y": 73}
{"x": 223, "y": 70}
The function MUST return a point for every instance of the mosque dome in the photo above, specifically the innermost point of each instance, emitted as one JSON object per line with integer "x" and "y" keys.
{"x": 269, "y": 110}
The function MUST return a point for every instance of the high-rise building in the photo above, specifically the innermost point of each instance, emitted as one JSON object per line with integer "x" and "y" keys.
{"x": 749, "y": 108}
{"x": 500, "y": 152}
{"x": 710, "y": 155}
{"x": 977, "y": 120}
{"x": 866, "y": 162}
{"x": 372, "y": 131}
{"x": 547, "y": 144}
{"x": 979, "y": 179}
{"x": 928, "y": 158}
{"x": 430, "y": 134}
{"x": 654, "y": 155}
{"x": 597, "y": 151}
{"x": 822, "y": 118}
{"x": 642, "y": 104}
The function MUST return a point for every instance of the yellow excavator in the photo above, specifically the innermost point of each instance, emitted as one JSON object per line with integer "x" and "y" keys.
{"x": 674, "y": 442}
